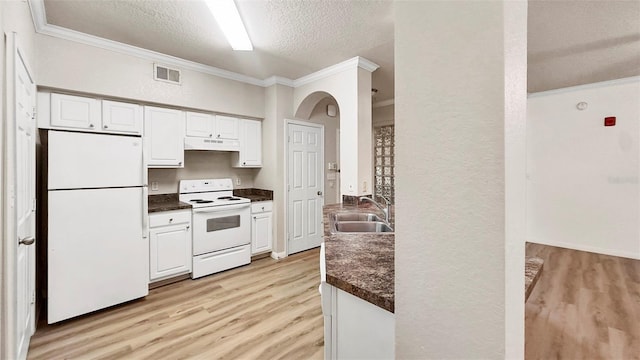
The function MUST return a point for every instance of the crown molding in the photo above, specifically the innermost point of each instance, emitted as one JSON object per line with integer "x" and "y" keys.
{"x": 38, "y": 14}
{"x": 383, "y": 103}
{"x": 273, "y": 80}
{"x": 335, "y": 69}
{"x": 76, "y": 36}
{"x": 627, "y": 80}
{"x": 367, "y": 64}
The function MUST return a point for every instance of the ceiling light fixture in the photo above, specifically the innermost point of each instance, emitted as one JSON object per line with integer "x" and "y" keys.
{"x": 228, "y": 18}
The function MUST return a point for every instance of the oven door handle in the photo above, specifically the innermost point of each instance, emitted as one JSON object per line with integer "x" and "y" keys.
{"x": 212, "y": 209}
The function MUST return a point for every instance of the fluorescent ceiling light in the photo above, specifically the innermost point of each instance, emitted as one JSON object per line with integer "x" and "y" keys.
{"x": 228, "y": 18}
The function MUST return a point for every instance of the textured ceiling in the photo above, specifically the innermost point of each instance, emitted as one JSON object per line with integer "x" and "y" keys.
{"x": 570, "y": 42}
{"x": 291, "y": 38}
{"x": 580, "y": 42}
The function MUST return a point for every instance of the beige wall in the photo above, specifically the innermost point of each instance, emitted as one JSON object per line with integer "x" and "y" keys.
{"x": 331, "y": 154}
{"x": 74, "y": 66}
{"x": 200, "y": 165}
{"x": 459, "y": 262}
{"x": 278, "y": 107}
{"x": 352, "y": 90}
{"x": 384, "y": 115}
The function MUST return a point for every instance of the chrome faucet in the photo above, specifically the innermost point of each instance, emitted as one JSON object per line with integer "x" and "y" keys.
{"x": 385, "y": 210}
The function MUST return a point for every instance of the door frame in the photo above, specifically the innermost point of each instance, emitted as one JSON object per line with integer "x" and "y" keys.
{"x": 9, "y": 249}
{"x": 286, "y": 172}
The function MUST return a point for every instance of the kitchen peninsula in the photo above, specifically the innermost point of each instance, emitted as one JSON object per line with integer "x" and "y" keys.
{"x": 357, "y": 289}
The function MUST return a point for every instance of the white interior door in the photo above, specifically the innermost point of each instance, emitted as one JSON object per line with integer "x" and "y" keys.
{"x": 25, "y": 93}
{"x": 305, "y": 183}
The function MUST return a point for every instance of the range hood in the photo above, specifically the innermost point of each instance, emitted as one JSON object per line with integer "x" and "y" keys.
{"x": 197, "y": 143}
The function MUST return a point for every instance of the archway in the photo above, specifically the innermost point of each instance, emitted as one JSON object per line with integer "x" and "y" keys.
{"x": 322, "y": 108}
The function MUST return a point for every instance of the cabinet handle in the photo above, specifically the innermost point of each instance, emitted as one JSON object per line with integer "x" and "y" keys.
{"x": 188, "y": 227}
{"x": 210, "y": 135}
{"x": 254, "y": 218}
{"x": 91, "y": 126}
{"x": 218, "y": 136}
{"x": 244, "y": 163}
{"x": 180, "y": 163}
{"x": 106, "y": 127}
{"x": 170, "y": 220}
{"x": 27, "y": 240}
{"x": 263, "y": 208}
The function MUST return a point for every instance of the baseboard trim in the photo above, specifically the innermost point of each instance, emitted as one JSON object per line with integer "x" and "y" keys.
{"x": 591, "y": 249}
{"x": 278, "y": 256}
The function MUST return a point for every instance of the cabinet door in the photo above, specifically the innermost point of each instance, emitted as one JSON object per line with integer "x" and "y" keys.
{"x": 227, "y": 127}
{"x": 261, "y": 232}
{"x": 200, "y": 125}
{"x": 169, "y": 251}
{"x": 121, "y": 117}
{"x": 251, "y": 143}
{"x": 164, "y": 135}
{"x": 75, "y": 112}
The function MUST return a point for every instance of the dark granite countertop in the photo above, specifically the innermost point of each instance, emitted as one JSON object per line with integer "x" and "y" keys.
{"x": 361, "y": 264}
{"x": 254, "y": 194}
{"x": 166, "y": 202}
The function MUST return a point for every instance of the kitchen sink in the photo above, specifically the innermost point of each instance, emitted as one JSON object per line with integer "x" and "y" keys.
{"x": 362, "y": 226}
{"x": 357, "y": 217}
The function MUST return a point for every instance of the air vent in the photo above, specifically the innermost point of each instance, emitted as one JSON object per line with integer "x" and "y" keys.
{"x": 163, "y": 73}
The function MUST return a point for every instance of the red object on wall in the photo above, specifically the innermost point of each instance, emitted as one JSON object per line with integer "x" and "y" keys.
{"x": 610, "y": 121}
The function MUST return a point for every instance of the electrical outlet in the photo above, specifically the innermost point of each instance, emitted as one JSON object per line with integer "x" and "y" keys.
{"x": 154, "y": 186}
{"x": 238, "y": 181}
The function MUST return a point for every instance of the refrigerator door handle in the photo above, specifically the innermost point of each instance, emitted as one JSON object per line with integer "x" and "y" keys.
{"x": 145, "y": 171}
{"x": 145, "y": 212}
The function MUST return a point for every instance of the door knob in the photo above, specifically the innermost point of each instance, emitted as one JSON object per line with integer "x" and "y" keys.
{"x": 320, "y": 193}
{"x": 106, "y": 127}
{"x": 27, "y": 240}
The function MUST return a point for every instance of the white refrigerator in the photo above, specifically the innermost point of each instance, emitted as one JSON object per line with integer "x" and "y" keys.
{"x": 97, "y": 222}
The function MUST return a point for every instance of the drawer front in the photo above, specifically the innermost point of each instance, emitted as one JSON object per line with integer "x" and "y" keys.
{"x": 261, "y": 206}
{"x": 220, "y": 260}
{"x": 169, "y": 218}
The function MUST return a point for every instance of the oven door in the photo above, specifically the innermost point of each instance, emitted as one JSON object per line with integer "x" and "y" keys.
{"x": 221, "y": 227}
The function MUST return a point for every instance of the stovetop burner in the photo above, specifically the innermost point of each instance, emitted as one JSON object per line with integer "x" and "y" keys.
{"x": 209, "y": 193}
{"x": 230, "y": 198}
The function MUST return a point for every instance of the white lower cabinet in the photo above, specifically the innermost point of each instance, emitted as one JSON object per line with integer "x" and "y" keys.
{"x": 261, "y": 226}
{"x": 169, "y": 244}
{"x": 355, "y": 328}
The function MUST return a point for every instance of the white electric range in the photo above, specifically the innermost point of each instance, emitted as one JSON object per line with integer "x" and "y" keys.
{"x": 221, "y": 225}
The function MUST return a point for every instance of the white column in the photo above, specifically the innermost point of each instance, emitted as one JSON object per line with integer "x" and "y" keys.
{"x": 460, "y": 111}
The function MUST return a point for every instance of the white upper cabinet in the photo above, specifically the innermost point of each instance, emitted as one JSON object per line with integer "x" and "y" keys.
{"x": 200, "y": 125}
{"x": 121, "y": 117}
{"x": 227, "y": 127}
{"x": 250, "y": 154}
{"x": 81, "y": 113}
{"x": 75, "y": 112}
{"x": 212, "y": 126}
{"x": 164, "y": 136}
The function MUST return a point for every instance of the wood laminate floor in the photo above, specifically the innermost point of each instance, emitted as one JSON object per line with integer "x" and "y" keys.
{"x": 266, "y": 310}
{"x": 585, "y": 306}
